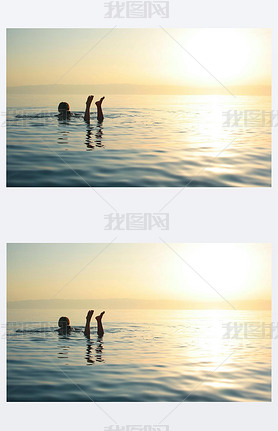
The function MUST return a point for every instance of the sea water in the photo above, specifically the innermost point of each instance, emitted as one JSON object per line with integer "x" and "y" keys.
{"x": 144, "y": 355}
{"x": 144, "y": 141}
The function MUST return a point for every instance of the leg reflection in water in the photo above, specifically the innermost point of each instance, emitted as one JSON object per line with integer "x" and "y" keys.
{"x": 88, "y": 140}
{"x": 99, "y": 349}
{"x": 94, "y": 140}
{"x": 98, "y": 136}
{"x": 94, "y": 355}
{"x": 89, "y": 353}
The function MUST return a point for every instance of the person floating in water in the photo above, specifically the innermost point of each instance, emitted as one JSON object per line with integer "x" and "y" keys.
{"x": 65, "y": 113}
{"x": 65, "y": 328}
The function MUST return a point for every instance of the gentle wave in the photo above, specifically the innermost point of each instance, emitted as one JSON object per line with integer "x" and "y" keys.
{"x": 187, "y": 359}
{"x": 181, "y": 143}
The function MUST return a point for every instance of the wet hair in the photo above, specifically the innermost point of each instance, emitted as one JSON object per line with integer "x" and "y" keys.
{"x": 63, "y": 106}
{"x": 63, "y": 322}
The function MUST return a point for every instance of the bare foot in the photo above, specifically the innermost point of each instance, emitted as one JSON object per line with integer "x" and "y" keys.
{"x": 89, "y": 100}
{"x": 90, "y": 314}
{"x": 99, "y": 102}
{"x": 100, "y": 316}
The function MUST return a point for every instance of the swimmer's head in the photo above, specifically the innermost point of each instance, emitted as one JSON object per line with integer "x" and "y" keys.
{"x": 63, "y": 322}
{"x": 63, "y": 107}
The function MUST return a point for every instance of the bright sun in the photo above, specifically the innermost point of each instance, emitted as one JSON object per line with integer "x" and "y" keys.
{"x": 230, "y": 268}
{"x": 231, "y": 55}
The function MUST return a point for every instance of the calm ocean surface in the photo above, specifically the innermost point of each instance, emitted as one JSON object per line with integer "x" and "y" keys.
{"x": 144, "y": 141}
{"x": 145, "y": 355}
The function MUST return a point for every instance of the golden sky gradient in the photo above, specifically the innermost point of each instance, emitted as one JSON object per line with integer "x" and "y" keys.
{"x": 193, "y": 58}
{"x": 196, "y": 273}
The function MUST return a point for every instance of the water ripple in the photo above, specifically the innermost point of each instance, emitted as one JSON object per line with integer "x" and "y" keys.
{"x": 157, "y": 144}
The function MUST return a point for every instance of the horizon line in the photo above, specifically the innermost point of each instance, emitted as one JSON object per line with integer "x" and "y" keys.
{"x": 152, "y": 89}
{"x": 127, "y": 303}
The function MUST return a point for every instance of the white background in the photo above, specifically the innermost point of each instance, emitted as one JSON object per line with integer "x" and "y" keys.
{"x": 196, "y": 215}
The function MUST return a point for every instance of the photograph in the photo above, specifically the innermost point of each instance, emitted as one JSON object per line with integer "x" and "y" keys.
{"x": 139, "y": 322}
{"x": 139, "y": 107}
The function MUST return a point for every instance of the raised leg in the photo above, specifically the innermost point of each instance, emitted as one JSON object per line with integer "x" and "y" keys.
{"x": 100, "y": 116}
{"x": 87, "y": 110}
{"x": 100, "y": 330}
{"x": 87, "y": 331}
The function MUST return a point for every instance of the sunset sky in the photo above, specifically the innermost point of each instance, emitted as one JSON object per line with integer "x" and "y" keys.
{"x": 236, "y": 57}
{"x": 239, "y": 272}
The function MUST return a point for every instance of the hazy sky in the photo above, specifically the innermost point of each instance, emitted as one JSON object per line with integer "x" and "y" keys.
{"x": 236, "y": 57}
{"x": 141, "y": 271}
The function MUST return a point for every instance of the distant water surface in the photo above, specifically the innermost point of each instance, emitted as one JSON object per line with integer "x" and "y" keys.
{"x": 145, "y": 355}
{"x": 144, "y": 141}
